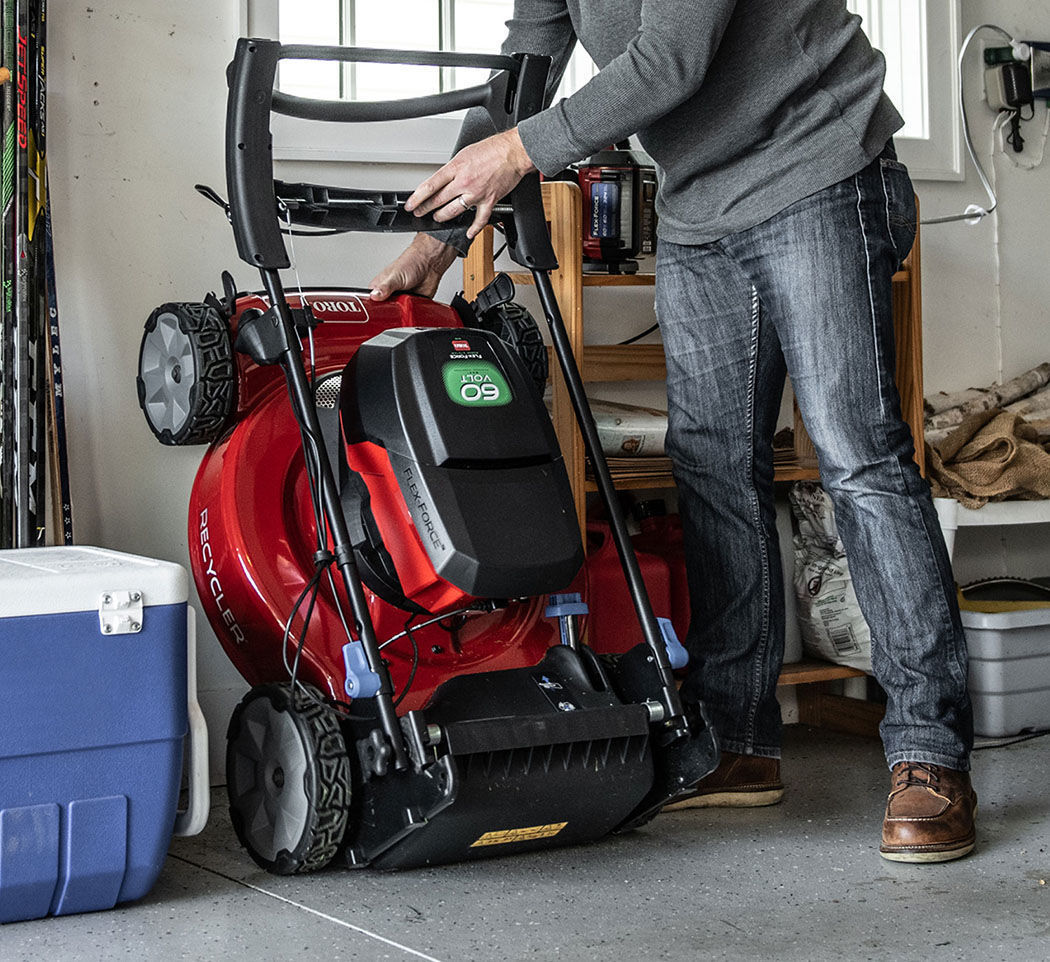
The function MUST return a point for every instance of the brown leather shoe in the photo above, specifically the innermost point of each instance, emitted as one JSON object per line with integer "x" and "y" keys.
{"x": 740, "y": 781}
{"x": 929, "y": 814}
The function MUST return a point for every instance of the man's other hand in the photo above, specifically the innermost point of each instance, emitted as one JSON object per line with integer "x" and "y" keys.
{"x": 419, "y": 269}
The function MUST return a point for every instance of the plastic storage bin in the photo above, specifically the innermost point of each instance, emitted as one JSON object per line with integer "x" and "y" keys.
{"x": 94, "y": 676}
{"x": 1009, "y": 670}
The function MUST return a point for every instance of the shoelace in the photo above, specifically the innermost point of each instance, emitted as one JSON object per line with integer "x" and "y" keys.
{"x": 909, "y": 775}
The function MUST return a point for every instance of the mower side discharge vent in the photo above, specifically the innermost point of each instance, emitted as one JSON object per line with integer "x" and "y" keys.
{"x": 530, "y": 758}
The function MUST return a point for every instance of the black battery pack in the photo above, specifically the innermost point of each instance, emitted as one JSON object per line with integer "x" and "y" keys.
{"x": 471, "y": 452}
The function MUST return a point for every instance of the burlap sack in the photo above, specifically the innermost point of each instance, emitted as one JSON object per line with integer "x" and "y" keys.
{"x": 992, "y": 456}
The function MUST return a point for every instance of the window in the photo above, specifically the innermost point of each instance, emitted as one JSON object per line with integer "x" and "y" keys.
{"x": 465, "y": 25}
{"x": 919, "y": 39}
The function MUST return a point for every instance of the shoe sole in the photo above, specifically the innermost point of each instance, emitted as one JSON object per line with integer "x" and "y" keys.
{"x": 728, "y": 800}
{"x": 947, "y": 855}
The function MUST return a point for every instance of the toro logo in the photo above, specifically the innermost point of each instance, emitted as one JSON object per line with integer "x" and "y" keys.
{"x": 460, "y": 346}
{"x": 340, "y": 307}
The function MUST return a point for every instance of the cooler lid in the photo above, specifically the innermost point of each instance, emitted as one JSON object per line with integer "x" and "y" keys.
{"x": 49, "y": 581}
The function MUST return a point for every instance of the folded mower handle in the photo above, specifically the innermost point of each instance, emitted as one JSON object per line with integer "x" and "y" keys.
{"x": 514, "y": 92}
{"x": 348, "y": 111}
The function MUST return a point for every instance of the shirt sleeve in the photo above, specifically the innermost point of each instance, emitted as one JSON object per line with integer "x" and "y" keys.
{"x": 536, "y": 26}
{"x": 663, "y": 65}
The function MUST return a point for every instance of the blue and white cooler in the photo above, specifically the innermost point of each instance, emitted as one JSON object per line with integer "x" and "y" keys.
{"x": 97, "y": 695}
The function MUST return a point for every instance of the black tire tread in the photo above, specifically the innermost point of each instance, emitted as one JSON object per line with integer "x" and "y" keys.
{"x": 328, "y": 784}
{"x": 513, "y": 324}
{"x": 213, "y": 396}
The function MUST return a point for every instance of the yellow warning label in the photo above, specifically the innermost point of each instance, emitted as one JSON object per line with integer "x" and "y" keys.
{"x": 519, "y": 834}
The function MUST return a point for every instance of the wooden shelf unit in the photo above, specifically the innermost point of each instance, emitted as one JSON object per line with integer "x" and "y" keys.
{"x": 645, "y": 362}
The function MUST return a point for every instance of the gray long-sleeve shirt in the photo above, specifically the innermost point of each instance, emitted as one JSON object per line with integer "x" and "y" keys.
{"x": 746, "y": 106}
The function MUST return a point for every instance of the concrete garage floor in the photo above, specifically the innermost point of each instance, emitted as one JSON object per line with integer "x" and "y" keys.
{"x": 799, "y": 881}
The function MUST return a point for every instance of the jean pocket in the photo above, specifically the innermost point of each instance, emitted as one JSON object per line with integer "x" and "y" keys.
{"x": 901, "y": 214}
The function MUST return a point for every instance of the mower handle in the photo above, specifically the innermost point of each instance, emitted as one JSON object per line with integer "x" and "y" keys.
{"x": 515, "y": 91}
{"x": 348, "y": 111}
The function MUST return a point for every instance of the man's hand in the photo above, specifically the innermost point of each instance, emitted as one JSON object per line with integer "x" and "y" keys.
{"x": 419, "y": 268}
{"x": 478, "y": 177}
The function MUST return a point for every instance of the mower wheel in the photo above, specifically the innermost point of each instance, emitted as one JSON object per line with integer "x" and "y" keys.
{"x": 187, "y": 385}
{"x": 288, "y": 778}
{"x": 514, "y": 325}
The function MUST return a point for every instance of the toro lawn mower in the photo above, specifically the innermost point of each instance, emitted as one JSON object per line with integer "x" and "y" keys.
{"x": 382, "y": 532}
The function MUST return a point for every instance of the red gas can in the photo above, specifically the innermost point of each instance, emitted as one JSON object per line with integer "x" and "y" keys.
{"x": 661, "y": 534}
{"x": 612, "y": 622}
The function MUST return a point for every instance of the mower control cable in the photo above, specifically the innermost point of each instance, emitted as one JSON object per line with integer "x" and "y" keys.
{"x": 426, "y": 624}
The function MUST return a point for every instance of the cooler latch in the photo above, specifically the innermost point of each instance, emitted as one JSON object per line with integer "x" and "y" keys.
{"x": 120, "y": 612}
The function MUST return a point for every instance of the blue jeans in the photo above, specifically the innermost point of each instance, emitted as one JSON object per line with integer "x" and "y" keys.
{"x": 807, "y": 293}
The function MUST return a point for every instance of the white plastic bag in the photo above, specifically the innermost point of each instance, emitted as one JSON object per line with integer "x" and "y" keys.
{"x": 828, "y": 612}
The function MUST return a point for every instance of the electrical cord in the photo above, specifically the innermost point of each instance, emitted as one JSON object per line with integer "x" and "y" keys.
{"x": 638, "y": 337}
{"x": 974, "y": 213}
{"x": 1003, "y": 121}
{"x": 407, "y": 632}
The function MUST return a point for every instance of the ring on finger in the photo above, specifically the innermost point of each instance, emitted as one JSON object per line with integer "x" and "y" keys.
{"x": 463, "y": 203}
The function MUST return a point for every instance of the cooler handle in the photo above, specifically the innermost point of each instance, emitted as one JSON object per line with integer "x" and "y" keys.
{"x": 195, "y": 817}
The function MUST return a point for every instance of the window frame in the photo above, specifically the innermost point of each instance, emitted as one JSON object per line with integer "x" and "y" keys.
{"x": 423, "y": 141}
{"x": 430, "y": 140}
{"x": 938, "y": 156}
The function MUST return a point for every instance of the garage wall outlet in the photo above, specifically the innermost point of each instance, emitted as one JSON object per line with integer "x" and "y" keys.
{"x": 1034, "y": 54}
{"x": 1007, "y": 86}
{"x": 1040, "y": 69}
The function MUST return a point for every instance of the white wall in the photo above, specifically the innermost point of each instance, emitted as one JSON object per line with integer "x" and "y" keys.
{"x": 136, "y": 115}
{"x": 136, "y": 112}
{"x": 986, "y": 288}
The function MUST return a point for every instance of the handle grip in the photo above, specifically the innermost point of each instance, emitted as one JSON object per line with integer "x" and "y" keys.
{"x": 347, "y": 209}
{"x": 510, "y": 95}
{"x": 347, "y": 111}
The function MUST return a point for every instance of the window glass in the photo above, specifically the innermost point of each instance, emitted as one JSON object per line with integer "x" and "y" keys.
{"x": 898, "y": 29}
{"x": 309, "y": 21}
{"x": 403, "y": 25}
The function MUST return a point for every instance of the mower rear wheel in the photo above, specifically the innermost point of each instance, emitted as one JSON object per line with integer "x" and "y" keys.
{"x": 288, "y": 778}
{"x": 186, "y": 384}
{"x": 515, "y": 326}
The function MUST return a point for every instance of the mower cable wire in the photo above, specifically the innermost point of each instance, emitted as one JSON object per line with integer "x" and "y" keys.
{"x": 310, "y": 445}
{"x": 425, "y": 624}
{"x": 302, "y": 295}
{"x": 415, "y": 660}
{"x": 339, "y": 607}
{"x": 310, "y": 588}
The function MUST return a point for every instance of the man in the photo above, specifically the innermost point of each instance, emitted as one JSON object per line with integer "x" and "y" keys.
{"x": 783, "y": 215}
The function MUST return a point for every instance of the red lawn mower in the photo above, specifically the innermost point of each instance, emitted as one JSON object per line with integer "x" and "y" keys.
{"x": 383, "y": 535}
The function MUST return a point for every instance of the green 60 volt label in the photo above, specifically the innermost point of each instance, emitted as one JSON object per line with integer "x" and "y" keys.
{"x": 476, "y": 384}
